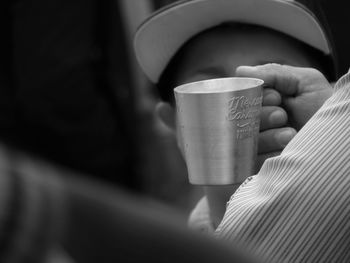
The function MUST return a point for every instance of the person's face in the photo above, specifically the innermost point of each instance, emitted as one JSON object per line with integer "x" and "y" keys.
{"x": 218, "y": 52}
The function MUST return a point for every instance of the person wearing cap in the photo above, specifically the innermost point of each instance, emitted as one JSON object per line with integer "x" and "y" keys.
{"x": 272, "y": 213}
{"x": 194, "y": 40}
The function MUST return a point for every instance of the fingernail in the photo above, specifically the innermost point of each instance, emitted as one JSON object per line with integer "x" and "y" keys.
{"x": 284, "y": 137}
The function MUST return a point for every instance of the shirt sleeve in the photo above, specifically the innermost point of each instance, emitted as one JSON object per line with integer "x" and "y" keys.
{"x": 297, "y": 208}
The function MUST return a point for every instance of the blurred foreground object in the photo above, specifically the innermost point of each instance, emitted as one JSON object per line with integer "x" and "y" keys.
{"x": 44, "y": 207}
{"x": 71, "y": 91}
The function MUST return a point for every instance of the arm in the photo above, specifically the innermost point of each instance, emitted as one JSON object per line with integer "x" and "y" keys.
{"x": 296, "y": 208}
{"x": 109, "y": 225}
{"x": 43, "y": 206}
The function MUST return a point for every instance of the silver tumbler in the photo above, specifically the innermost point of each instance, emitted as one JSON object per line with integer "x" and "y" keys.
{"x": 218, "y": 125}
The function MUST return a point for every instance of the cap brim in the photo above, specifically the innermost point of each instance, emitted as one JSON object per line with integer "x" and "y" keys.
{"x": 160, "y": 36}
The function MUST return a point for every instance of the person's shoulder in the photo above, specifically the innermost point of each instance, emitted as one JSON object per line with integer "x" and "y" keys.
{"x": 343, "y": 82}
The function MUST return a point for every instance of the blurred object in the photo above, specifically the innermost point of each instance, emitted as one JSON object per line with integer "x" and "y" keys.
{"x": 71, "y": 91}
{"x": 32, "y": 206}
{"x": 130, "y": 228}
{"x": 162, "y": 168}
{"x": 133, "y": 13}
{"x": 51, "y": 215}
{"x": 59, "y": 96}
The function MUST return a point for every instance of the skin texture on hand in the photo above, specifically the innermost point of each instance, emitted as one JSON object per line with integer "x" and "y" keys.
{"x": 274, "y": 134}
{"x": 303, "y": 90}
{"x": 296, "y": 93}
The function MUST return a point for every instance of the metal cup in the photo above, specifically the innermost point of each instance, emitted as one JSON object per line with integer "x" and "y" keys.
{"x": 218, "y": 125}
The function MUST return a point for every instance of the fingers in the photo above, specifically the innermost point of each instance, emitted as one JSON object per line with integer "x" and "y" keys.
{"x": 271, "y": 97}
{"x": 272, "y": 117}
{"x": 281, "y": 77}
{"x": 275, "y": 139}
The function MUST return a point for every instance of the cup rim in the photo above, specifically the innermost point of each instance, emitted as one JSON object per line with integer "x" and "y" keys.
{"x": 204, "y": 87}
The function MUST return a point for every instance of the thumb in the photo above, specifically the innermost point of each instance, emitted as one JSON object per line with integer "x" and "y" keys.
{"x": 282, "y": 78}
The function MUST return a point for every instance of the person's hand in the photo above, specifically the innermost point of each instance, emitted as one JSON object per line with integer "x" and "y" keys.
{"x": 274, "y": 134}
{"x": 304, "y": 90}
{"x": 300, "y": 91}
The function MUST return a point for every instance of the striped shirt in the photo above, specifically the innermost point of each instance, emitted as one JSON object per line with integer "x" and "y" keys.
{"x": 297, "y": 208}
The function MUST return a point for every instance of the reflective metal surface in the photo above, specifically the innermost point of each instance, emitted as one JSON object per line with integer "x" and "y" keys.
{"x": 218, "y": 126}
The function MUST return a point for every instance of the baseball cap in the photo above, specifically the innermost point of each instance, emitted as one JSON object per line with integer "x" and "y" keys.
{"x": 160, "y": 36}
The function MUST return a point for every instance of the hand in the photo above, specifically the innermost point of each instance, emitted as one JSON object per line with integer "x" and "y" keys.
{"x": 304, "y": 90}
{"x": 300, "y": 91}
{"x": 274, "y": 135}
